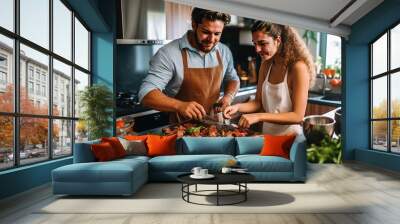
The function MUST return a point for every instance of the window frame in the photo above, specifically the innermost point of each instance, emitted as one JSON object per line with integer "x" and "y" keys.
{"x": 16, "y": 114}
{"x": 388, "y": 74}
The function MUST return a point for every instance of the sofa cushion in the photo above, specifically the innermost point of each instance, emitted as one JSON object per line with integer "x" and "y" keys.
{"x": 103, "y": 152}
{"x": 257, "y": 163}
{"x": 208, "y": 145}
{"x": 83, "y": 152}
{"x": 185, "y": 163}
{"x": 112, "y": 171}
{"x": 277, "y": 145}
{"x": 134, "y": 147}
{"x": 249, "y": 145}
{"x": 116, "y": 145}
{"x": 161, "y": 145}
{"x": 128, "y": 159}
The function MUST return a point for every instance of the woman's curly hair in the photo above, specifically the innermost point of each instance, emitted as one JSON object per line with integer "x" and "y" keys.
{"x": 293, "y": 48}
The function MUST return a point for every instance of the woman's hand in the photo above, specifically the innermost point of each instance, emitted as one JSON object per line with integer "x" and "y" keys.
{"x": 231, "y": 110}
{"x": 248, "y": 119}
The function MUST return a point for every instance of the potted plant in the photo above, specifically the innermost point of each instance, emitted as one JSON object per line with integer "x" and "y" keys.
{"x": 329, "y": 150}
{"x": 96, "y": 104}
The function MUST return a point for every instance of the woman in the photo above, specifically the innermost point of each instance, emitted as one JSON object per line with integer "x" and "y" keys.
{"x": 286, "y": 73}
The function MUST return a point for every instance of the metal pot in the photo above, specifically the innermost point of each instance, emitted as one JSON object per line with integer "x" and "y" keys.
{"x": 317, "y": 127}
{"x": 338, "y": 118}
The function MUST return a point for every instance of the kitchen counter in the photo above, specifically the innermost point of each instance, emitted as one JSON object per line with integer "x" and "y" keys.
{"x": 329, "y": 99}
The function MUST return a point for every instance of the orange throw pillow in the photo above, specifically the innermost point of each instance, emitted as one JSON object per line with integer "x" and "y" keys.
{"x": 135, "y": 137}
{"x": 161, "y": 145}
{"x": 277, "y": 145}
{"x": 116, "y": 145}
{"x": 103, "y": 151}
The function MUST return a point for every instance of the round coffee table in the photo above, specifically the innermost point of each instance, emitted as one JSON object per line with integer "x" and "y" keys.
{"x": 238, "y": 179}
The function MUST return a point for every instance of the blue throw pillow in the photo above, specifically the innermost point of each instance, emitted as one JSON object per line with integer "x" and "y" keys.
{"x": 208, "y": 145}
{"x": 83, "y": 152}
{"x": 249, "y": 145}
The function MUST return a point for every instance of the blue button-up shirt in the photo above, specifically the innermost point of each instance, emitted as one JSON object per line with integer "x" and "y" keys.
{"x": 166, "y": 66}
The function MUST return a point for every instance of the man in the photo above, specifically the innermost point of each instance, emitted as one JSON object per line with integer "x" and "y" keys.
{"x": 185, "y": 75}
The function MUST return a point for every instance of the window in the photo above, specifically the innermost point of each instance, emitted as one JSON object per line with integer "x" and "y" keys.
{"x": 7, "y": 14}
{"x": 81, "y": 81}
{"x": 3, "y": 78}
{"x": 34, "y": 22}
{"x": 62, "y": 130}
{"x": 81, "y": 45}
{"x": 37, "y": 75}
{"x": 62, "y": 75}
{"x": 6, "y": 143}
{"x": 30, "y": 72}
{"x": 333, "y": 52}
{"x": 43, "y": 90}
{"x": 30, "y": 87}
{"x": 7, "y": 73}
{"x": 54, "y": 126}
{"x": 3, "y": 61}
{"x": 62, "y": 30}
{"x": 3, "y": 72}
{"x": 38, "y": 89}
{"x": 385, "y": 97}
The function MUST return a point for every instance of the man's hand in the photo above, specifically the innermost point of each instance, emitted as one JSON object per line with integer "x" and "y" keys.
{"x": 223, "y": 103}
{"x": 191, "y": 110}
{"x": 248, "y": 119}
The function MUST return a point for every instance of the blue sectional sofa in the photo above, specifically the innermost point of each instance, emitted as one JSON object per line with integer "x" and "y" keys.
{"x": 125, "y": 176}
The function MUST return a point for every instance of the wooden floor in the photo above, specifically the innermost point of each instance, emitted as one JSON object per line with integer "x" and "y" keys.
{"x": 377, "y": 188}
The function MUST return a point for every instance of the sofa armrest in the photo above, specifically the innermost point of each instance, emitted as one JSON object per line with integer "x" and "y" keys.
{"x": 298, "y": 156}
{"x": 83, "y": 152}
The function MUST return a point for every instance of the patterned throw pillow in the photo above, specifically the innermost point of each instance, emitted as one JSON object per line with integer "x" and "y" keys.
{"x": 134, "y": 147}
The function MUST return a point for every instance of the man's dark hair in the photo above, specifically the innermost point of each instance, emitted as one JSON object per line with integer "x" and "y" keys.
{"x": 199, "y": 14}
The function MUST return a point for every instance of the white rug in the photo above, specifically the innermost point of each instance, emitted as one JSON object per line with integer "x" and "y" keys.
{"x": 166, "y": 198}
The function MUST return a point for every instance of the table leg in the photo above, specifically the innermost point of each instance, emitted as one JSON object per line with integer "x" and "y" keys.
{"x": 182, "y": 190}
{"x": 217, "y": 194}
{"x": 245, "y": 191}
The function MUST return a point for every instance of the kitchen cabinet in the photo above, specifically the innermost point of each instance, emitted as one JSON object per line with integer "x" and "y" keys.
{"x": 318, "y": 109}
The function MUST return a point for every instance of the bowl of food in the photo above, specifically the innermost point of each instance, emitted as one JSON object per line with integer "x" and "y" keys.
{"x": 317, "y": 127}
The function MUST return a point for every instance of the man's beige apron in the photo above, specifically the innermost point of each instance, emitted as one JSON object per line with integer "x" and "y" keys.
{"x": 199, "y": 84}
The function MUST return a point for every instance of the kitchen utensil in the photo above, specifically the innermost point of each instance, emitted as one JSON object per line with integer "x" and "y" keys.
{"x": 220, "y": 125}
{"x": 317, "y": 127}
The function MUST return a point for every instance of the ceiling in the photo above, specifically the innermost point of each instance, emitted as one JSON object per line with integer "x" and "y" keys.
{"x": 330, "y": 16}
